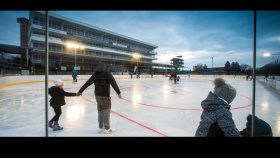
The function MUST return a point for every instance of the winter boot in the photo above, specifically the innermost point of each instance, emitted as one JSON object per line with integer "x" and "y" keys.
{"x": 51, "y": 124}
{"x": 56, "y": 126}
{"x": 111, "y": 130}
{"x": 101, "y": 130}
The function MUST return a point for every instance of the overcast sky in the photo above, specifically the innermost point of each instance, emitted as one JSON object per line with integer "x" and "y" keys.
{"x": 196, "y": 35}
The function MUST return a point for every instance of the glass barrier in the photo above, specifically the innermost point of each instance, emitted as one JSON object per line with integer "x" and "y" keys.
{"x": 216, "y": 44}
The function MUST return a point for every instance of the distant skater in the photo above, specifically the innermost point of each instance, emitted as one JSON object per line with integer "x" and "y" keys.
{"x": 171, "y": 75}
{"x": 175, "y": 77}
{"x": 178, "y": 78}
{"x": 266, "y": 76}
{"x": 74, "y": 76}
{"x": 247, "y": 76}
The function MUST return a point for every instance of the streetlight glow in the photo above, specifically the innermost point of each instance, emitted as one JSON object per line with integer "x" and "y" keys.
{"x": 269, "y": 54}
{"x": 70, "y": 45}
{"x": 76, "y": 46}
{"x": 136, "y": 56}
{"x": 266, "y": 54}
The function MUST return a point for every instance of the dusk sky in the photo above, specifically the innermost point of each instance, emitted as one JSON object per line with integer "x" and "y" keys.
{"x": 196, "y": 35}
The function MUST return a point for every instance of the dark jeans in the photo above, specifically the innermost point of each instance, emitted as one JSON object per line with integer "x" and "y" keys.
{"x": 104, "y": 110}
{"x": 58, "y": 112}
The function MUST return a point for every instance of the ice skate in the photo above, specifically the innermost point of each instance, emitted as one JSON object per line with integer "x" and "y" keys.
{"x": 56, "y": 126}
{"x": 51, "y": 124}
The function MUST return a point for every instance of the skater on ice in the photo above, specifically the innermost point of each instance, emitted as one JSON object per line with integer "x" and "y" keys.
{"x": 74, "y": 76}
{"x": 57, "y": 100}
{"x": 102, "y": 80}
{"x": 175, "y": 77}
{"x": 178, "y": 78}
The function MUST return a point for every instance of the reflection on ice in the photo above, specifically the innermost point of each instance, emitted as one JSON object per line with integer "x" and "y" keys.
{"x": 74, "y": 111}
{"x": 21, "y": 100}
{"x": 265, "y": 106}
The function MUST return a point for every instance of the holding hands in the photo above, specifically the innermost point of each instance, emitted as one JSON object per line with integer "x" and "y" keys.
{"x": 79, "y": 94}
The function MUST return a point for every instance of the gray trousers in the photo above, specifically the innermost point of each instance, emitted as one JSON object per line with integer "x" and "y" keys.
{"x": 104, "y": 110}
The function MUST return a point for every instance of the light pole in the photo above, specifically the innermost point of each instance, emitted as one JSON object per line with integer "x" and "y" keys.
{"x": 137, "y": 56}
{"x": 212, "y": 63}
{"x": 165, "y": 68}
{"x": 76, "y": 46}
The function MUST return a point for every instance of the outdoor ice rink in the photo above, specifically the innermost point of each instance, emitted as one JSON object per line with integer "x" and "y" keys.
{"x": 150, "y": 107}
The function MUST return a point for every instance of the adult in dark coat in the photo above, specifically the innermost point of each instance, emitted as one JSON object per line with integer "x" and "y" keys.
{"x": 102, "y": 80}
{"x": 57, "y": 100}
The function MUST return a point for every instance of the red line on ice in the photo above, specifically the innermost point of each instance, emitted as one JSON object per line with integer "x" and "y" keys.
{"x": 129, "y": 119}
{"x": 191, "y": 109}
{"x": 162, "y": 106}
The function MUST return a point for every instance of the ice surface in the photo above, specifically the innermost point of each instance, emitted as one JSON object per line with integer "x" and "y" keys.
{"x": 153, "y": 107}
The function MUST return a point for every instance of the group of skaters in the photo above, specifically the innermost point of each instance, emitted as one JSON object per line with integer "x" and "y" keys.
{"x": 216, "y": 118}
{"x": 174, "y": 76}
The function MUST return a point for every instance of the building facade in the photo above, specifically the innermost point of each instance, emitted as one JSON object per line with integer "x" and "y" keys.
{"x": 116, "y": 50}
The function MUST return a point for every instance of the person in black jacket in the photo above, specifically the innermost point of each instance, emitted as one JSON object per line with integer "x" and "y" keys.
{"x": 57, "y": 100}
{"x": 102, "y": 80}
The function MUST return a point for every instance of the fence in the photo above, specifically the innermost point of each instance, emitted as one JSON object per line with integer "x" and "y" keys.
{"x": 273, "y": 83}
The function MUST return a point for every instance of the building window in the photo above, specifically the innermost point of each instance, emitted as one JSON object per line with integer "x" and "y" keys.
{"x": 39, "y": 21}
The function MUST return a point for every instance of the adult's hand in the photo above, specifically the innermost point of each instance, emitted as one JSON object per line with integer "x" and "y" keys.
{"x": 119, "y": 95}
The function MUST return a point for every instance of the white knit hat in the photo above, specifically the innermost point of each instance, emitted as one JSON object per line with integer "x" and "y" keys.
{"x": 58, "y": 82}
{"x": 224, "y": 90}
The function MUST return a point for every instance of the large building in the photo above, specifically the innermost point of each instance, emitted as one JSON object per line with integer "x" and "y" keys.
{"x": 99, "y": 45}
